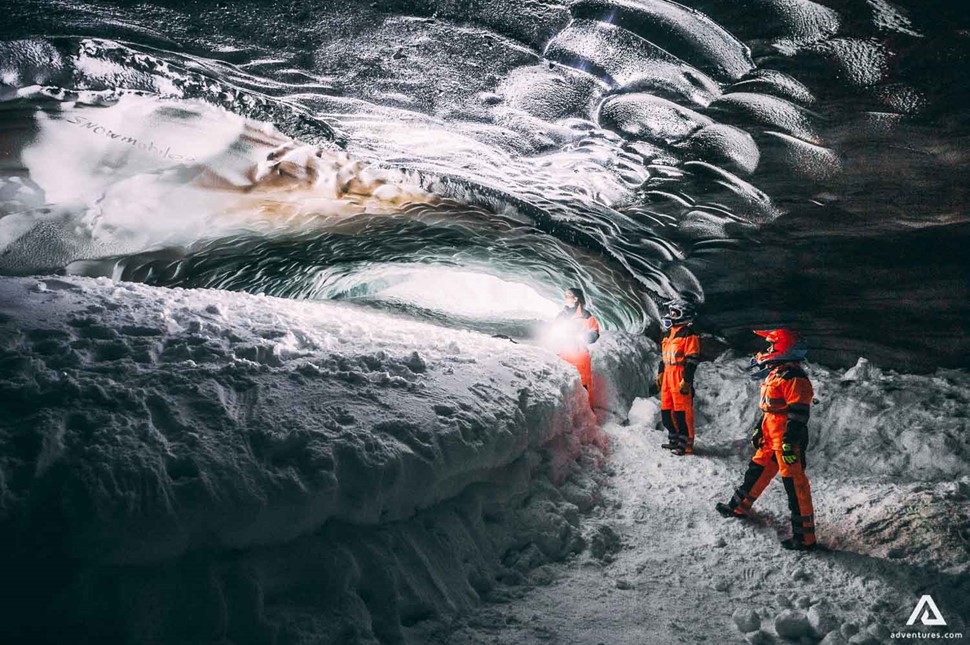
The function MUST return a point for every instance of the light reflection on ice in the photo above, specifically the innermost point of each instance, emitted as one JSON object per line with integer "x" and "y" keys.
{"x": 146, "y": 172}
{"x": 454, "y": 291}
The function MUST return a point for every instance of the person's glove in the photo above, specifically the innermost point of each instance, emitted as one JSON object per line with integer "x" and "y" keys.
{"x": 796, "y": 434}
{"x": 788, "y": 453}
{"x": 758, "y": 438}
{"x": 660, "y": 379}
{"x": 684, "y": 387}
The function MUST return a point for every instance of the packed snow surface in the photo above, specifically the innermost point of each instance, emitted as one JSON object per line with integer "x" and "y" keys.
{"x": 888, "y": 463}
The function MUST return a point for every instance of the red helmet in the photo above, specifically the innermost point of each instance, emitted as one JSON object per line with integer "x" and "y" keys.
{"x": 784, "y": 346}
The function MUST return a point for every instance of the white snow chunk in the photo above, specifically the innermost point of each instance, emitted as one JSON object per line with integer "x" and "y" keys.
{"x": 822, "y": 618}
{"x": 792, "y": 624}
{"x": 862, "y": 371}
{"x": 746, "y": 619}
{"x": 645, "y": 413}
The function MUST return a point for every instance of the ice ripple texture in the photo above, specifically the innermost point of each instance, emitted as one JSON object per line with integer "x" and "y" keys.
{"x": 783, "y": 162}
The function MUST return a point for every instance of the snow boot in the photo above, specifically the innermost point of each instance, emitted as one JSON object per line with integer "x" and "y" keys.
{"x": 670, "y": 446}
{"x": 791, "y": 544}
{"x": 727, "y": 511}
{"x": 680, "y": 452}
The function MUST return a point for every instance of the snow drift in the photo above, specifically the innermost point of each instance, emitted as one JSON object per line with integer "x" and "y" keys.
{"x": 865, "y": 422}
{"x": 185, "y": 464}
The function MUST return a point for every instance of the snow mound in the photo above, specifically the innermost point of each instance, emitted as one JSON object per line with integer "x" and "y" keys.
{"x": 890, "y": 474}
{"x": 645, "y": 412}
{"x": 149, "y": 434}
{"x": 623, "y": 369}
{"x": 157, "y": 420}
{"x": 866, "y": 422}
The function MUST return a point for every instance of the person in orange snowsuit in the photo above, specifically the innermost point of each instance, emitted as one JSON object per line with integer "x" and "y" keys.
{"x": 780, "y": 437}
{"x": 579, "y": 330}
{"x": 681, "y": 353}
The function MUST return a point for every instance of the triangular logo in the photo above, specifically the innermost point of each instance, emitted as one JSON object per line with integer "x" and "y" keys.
{"x": 927, "y": 612}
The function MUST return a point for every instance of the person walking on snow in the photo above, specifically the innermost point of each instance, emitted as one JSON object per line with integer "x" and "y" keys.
{"x": 780, "y": 437}
{"x": 579, "y": 330}
{"x": 681, "y": 353}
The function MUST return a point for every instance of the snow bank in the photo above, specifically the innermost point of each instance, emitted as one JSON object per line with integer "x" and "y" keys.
{"x": 624, "y": 366}
{"x": 156, "y": 444}
{"x": 865, "y": 422}
{"x": 250, "y": 420}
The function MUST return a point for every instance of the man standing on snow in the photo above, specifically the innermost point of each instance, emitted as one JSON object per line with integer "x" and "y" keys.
{"x": 579, "y": 330}
{"x": 681, "y": 353}
{"x": 780, "y": 437}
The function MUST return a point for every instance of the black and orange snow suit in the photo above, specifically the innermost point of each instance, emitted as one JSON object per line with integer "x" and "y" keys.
{"x": 583, "y": 330}
{"x": 681, "y": 353}
{"x": 786, "y": 397}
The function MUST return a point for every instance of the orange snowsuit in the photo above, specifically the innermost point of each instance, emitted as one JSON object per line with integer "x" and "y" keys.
{"x": 786, "y": 397}
{"x": 681, "y": 352}
{"x": 584, "y": 330}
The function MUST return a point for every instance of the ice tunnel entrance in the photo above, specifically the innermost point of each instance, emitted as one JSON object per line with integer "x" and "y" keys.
{"x": 443, "y": 291}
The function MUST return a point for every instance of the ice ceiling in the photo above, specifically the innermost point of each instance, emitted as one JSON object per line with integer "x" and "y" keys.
{"x": 797, "y": 163}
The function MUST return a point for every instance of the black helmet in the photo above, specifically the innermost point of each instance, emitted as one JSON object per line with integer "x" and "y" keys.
{"x": 580, "y": 296}
{"x": 679, "y": 311}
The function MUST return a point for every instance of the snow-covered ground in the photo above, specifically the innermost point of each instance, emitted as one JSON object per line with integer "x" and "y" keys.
{"x": 889, "y": 468}
{"x": 206, "y": 466}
